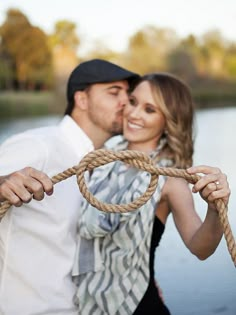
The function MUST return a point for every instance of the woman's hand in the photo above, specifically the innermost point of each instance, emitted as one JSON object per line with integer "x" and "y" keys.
{"x": 212, "y": 186}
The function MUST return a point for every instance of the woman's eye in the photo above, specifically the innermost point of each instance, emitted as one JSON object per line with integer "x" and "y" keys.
{"x": 150, "y": 110}
{"x": 132, "y": 101}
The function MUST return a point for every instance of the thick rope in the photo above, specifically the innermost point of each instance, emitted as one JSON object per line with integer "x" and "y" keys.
{"x": 143, "y": 162}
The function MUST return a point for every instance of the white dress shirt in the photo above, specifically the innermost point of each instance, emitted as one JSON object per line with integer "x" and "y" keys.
{"x": 38, "y": 240}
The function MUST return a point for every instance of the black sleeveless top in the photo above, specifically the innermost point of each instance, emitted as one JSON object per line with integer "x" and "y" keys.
{"x": 151, "y": 302}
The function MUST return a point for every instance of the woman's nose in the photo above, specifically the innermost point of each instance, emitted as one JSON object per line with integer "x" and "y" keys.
{"x": 135, "y": 112}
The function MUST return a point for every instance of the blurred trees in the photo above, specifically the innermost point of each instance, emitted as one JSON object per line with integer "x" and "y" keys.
{"x": 148, "y": 49}
{"x": 25, "y": 53}
{"x": 64, "y": 44}
{"x": 214, "y": 49}
{"x": 181, "y": 63}
{"x": 230, "y": 63}
{"x": 31, "y": 59}
{"x": 184, "y": 59}
{"x": 210, "y": 56}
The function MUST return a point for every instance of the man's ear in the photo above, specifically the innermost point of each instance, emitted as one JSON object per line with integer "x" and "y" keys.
{"x": 81, "y": 100}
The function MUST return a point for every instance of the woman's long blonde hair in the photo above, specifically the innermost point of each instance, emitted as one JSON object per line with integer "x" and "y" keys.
{"x": 175, "y": 100}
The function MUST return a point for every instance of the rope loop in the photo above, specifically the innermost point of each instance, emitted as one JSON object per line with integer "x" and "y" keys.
{"x": 99, "y": 158}
{"x": 141, "y": 161}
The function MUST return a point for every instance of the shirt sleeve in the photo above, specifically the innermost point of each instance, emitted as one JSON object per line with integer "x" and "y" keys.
{"x": 21, "y": 151}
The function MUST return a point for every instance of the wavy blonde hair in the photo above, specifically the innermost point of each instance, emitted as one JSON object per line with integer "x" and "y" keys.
{"x": 175, "y": 100}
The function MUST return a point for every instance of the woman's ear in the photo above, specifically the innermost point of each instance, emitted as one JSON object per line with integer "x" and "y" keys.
{"x": 81, "y": 100}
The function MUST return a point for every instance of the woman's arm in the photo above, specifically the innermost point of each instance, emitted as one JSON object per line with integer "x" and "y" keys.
{"x": 202, "y": 238}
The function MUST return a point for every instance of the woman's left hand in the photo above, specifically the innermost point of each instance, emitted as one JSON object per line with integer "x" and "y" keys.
{"x": 212, "y": 186}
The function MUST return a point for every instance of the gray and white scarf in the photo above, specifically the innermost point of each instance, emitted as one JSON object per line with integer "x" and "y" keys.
{"x": 112, "y": 259}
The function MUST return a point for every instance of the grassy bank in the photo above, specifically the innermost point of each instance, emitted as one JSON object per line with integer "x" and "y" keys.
{"x": 212, "y": 98}
{"x": 23, "y": 104}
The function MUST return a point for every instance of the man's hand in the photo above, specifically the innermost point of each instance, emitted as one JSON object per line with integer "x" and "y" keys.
{"x": 21, "y": 186}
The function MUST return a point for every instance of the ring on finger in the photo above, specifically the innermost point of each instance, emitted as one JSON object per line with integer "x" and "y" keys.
{"x": 217, "y": 183}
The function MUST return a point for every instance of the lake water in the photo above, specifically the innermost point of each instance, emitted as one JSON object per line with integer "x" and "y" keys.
{"x": 190, "y": 286}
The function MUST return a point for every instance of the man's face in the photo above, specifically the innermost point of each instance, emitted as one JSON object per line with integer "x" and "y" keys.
{"x": 106, "y": 102}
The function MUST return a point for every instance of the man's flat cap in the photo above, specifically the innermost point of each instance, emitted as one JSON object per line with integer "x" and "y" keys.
{"x": 96, "y": 71}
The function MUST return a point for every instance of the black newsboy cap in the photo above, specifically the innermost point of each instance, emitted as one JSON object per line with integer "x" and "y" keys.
{"x": 96, "y": 71}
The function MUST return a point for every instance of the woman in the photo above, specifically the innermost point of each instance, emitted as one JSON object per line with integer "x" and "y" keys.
{"x": 115, "y": 258}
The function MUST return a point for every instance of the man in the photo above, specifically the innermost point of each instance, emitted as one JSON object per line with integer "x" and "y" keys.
{"x": 38, "y": 240}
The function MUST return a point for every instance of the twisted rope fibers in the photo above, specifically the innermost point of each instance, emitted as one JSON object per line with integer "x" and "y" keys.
{"x": 143, "y": 162}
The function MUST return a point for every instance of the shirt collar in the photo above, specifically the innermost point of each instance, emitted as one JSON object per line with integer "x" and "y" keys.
{"x": 75, "y": 135}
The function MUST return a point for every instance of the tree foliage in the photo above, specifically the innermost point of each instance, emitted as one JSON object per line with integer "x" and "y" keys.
{"x": 29, "y": 57}
{"x": 230, "y": 62}
{"x": 213, "y": 54}
{"x": 64, "y": 35}
{"x": 64, "y": 44}
{"x": 27, "y": 48}
{"x": 148, "y": 48}
{"x": 181, "y": 63}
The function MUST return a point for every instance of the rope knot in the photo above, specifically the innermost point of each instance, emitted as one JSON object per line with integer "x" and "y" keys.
{"x": 143, "y": 162}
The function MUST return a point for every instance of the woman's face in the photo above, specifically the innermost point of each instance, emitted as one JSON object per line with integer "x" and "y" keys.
{"x": 144, "y": 122}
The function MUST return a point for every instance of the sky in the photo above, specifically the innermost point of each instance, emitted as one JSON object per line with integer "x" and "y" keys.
{"x": 114, "y": 21}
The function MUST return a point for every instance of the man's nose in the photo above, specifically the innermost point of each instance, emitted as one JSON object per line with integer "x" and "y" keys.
{"x": 124, "y": 100}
